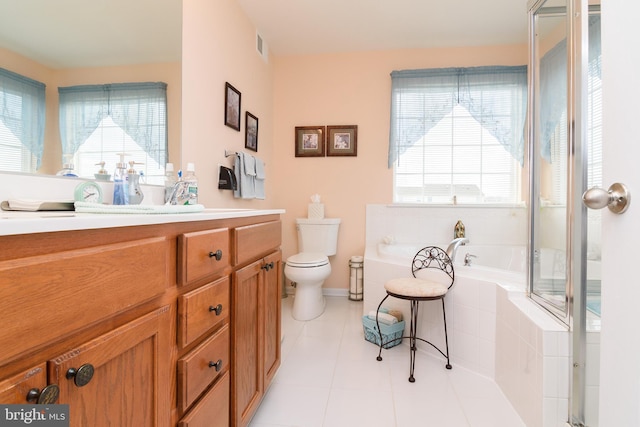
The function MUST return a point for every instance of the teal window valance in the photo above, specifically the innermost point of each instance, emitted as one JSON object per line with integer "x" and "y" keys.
{"x": 495, "y": 96}
{"x": 22, "y": 110}
{"x": 140, "y": 109}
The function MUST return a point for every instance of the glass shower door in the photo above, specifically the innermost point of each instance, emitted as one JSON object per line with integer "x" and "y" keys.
{"x": 565, "y": 111}
{"x": 550, "y": 162}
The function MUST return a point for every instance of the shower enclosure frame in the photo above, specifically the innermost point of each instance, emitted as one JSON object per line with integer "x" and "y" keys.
{"x": 573, "y": 312}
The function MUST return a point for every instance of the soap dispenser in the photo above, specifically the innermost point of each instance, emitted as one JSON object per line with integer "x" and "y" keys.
{"x": 135, "y": 192}
{"x": 67, "y": 167}
{"x": 120, "y": 187}
{"x": 102, "y": 174}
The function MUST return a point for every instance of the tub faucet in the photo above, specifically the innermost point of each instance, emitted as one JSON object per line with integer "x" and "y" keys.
{"x": 467, "y": 259}
{"x": 453, "y": 246}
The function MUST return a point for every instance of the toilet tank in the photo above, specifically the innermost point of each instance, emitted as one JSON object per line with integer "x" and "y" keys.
{"x": 318, "y": 235}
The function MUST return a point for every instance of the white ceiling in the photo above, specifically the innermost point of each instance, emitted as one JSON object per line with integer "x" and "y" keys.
{"x": 321, "y": 26}
{"x": 82, "y": 33}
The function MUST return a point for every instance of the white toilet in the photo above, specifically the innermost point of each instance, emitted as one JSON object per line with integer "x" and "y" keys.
{"x": 317, "y": 240}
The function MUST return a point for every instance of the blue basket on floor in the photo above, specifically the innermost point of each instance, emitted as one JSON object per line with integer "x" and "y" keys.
{"x": 391, "y": 334}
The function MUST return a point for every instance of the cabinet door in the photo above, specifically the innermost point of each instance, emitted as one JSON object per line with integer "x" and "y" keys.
{"x": 246, "y": 343}
{"x": 126, "y": 372}
{"x": 272, "y": 309}
{"x": 26, "y": 387}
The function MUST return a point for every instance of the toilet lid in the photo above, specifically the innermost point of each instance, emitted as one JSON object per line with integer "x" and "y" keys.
{"x": 308, "y": 259}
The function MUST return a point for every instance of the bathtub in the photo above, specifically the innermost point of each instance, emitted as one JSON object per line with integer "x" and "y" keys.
{"x": 505, "y": 264}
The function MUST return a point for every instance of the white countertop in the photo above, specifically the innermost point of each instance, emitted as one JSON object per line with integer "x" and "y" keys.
{"x": 13, "y": 222}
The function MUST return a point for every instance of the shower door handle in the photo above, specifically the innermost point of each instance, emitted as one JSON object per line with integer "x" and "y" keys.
{"x": 616, "y": 198}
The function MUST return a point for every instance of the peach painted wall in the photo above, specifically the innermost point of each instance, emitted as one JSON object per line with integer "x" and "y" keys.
{"x": 345, "y": 89}
{"x": 53, "y": 78}
{"x": 219, "y": 45}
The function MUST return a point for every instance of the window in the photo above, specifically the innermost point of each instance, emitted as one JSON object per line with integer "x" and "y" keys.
{"x": 22, "y": 116}
{"x": 99, "y": 121}
{"x": 457, "y": 134}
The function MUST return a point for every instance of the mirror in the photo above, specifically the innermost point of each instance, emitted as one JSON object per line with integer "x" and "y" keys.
{"x": 78, "y": 42}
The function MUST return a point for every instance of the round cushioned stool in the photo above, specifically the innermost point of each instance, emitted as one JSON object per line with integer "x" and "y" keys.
{"x": 416, "y": 289}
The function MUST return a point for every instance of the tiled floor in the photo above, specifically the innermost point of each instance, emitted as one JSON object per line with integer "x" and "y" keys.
{"x": 330, "y": 377}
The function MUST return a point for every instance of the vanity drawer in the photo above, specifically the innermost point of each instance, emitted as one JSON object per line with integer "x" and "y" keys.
{"x": 202, "y": 254}
{"x": 202, "y": 309}
{"x": 253, "y": 241}
{"x": 213, "y": 409}
{"x": 200, "y": 367}
{"x": 46, "y": 297}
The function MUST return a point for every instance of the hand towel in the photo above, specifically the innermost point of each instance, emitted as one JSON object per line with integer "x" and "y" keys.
{"x": 259, "y": 179}
{"x": 249, "y": 164}
{"x": 246, "y": 184}
{"x": 383, "y": 318}
{"x": 237, "y": 171}
{"x": 249, "y": 176}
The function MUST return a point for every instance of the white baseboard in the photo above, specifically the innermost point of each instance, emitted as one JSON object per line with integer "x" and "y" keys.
{"x": 328, "y": 292}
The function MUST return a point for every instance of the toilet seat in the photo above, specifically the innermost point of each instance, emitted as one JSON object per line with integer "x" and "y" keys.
{"x": 307, "y": 260}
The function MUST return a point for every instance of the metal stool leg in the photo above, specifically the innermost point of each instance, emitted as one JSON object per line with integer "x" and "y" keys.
{"x": 379, "y": 358}
{"x": 446, "y": 339}
{"x": 412, "y": 339}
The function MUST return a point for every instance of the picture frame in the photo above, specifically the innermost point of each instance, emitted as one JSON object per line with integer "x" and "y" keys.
{"x": 250, "y": 132}
{"x": 232, "y": 98}
{"x": 342, "y": 140}
{"x": 310, "y": 141}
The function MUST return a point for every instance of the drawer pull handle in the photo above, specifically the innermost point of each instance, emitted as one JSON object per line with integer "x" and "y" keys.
{"x": 48, "y": 395}
{"x": 217, "y": 309}
{"x": 217, "y": 365}
{"x": 81, "y": 376}
{"x": 217, "y": 255}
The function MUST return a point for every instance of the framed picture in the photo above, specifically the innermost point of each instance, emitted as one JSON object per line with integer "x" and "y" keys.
{"x": 250, "y": 132}
{"x": 309, "y": 141}
{"x": 232, "y": 107}
{"x": 342, "y": 140}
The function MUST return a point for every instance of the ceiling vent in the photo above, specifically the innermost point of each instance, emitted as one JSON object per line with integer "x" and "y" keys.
{"x": 262, "y": 48}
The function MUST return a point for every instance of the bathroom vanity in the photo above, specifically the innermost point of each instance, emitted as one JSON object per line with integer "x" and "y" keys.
{"x": 141, "y": 320}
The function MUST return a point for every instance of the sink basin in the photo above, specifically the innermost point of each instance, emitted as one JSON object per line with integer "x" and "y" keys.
{"x": 222, "y": 210}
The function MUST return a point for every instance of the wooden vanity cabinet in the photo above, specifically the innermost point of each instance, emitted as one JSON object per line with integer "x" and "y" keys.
{"x": 143, "y": 326}
{"x": 256, "y": 308}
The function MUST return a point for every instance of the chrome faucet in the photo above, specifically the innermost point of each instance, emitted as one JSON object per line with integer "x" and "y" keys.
{"x": 453, "y": 246}
{"x": 467, "y": 259}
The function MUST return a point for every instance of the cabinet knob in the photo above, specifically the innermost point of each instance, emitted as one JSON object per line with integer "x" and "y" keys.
{"x": 217, "y": 309}
{"x": 81, "y": 376}
{"x": 217, "y": 255}
{"x": 48, "y": 395}
{"x": 268, "y": 266}
{"x": 217, "y": 365}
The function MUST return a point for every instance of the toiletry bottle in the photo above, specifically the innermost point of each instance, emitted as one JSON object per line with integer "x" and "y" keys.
{"x": 67, "y": 167}
{"x": 135, "y": 192}
{"x": 102, "y": 174}
{"x": 192, "y": 180}
{"x": 169, "y": 181}
{"x": 120, "y": 188}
